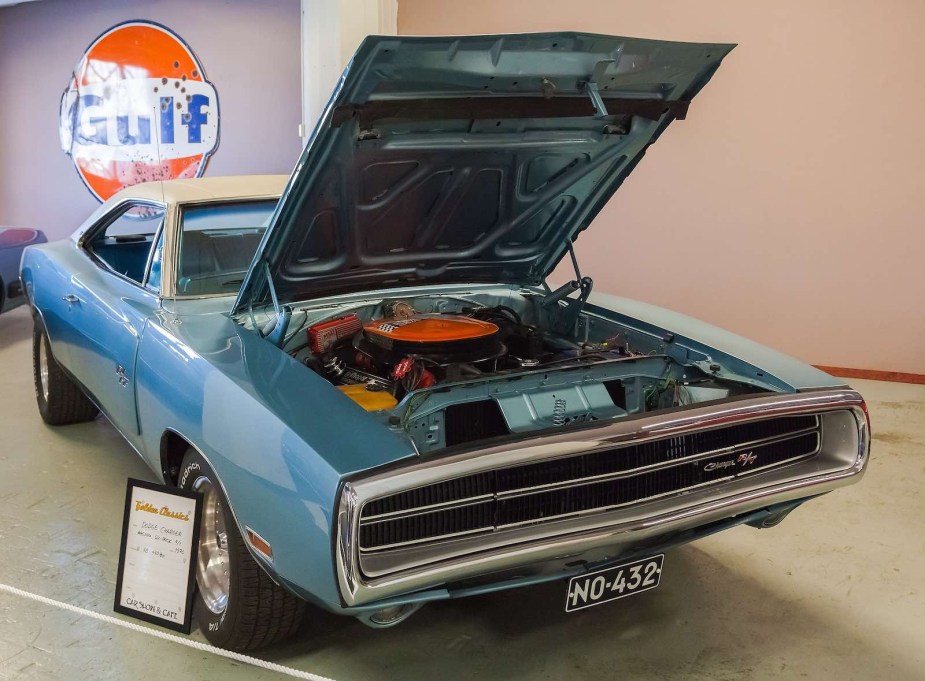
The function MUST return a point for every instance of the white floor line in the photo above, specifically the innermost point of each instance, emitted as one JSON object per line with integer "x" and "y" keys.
{"x": 247, "y": 659}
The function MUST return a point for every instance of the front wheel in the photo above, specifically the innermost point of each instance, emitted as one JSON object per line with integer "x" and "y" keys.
{"x": 60, "y": 400}
{"x": 238, "y": 606}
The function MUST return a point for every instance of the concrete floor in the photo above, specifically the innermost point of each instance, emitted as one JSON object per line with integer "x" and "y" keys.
{"x": 836, "y": 591}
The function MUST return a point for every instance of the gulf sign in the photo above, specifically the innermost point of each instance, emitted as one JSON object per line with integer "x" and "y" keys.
{"x": 138, "y": 108}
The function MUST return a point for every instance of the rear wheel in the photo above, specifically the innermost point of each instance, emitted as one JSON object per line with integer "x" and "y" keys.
{"x": 60, "y": 400}
{"x": 237, "y": 606}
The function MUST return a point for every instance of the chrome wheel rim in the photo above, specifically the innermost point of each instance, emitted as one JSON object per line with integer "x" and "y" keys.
{"x": 212, "y": 560}
{"x": 43, "y": 368}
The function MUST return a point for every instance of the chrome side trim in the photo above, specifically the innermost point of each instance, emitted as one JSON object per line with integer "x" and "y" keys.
{"x": 169, "y": 253}
{"x": 843, "y": 458}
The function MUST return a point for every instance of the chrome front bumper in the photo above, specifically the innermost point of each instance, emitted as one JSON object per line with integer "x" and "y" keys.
{"x": 598, "y": 536}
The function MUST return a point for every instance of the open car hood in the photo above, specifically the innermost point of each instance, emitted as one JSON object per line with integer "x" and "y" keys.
{"x": 468, "y": 159}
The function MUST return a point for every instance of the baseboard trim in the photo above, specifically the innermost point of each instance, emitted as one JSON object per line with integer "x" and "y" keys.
{"x": 874, "y": 374}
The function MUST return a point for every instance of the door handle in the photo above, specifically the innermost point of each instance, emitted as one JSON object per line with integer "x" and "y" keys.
{"x": 70, "y": 299}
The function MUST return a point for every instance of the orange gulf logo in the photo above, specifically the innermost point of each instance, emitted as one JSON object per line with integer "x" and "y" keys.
{"x": 138, "y": 108}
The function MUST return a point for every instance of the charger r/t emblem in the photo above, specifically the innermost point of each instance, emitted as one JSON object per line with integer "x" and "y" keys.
{"x": 746, "y": 459}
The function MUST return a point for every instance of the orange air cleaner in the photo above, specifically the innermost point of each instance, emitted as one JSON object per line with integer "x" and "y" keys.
{"x": 442, "y": 338}
{"x": 431, "y": 328}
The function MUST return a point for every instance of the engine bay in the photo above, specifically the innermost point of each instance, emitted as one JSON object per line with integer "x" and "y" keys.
{"x": 453, "y": 370}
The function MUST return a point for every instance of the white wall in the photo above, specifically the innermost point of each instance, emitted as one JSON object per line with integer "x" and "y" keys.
{"x": 331, "y": 32}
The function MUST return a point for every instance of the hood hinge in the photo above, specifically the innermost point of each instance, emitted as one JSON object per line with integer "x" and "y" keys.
{"x": 593, "y": 89}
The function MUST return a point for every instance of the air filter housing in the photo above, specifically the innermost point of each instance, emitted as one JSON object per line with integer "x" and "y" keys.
{"x": 441, "y": 338}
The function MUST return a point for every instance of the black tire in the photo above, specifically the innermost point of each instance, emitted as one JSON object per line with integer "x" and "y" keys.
{"x": 257, "y": 612}
{"x": 60, "y": 400}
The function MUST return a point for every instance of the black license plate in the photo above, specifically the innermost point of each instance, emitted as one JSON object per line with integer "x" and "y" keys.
{"x": 612, "y": 583}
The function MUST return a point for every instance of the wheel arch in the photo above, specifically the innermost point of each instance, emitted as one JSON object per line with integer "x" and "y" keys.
{"x": 39, "y": 318}
{"x": 172, "y": 449}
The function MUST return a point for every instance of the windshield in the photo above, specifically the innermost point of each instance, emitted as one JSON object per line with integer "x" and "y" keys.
{"x": 217, "y": 244}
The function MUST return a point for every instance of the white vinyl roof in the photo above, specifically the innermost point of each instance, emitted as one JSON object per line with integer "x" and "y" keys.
{"x": 205, "y": 188}
{"x": 173, "y": 192}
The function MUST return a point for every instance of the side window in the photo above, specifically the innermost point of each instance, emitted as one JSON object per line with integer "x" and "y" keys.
{"x": 125, "y": 243}
{"x": 217, "y": 244}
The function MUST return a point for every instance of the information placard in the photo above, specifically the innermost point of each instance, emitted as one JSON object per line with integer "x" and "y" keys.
{"x": 157, "y": 560}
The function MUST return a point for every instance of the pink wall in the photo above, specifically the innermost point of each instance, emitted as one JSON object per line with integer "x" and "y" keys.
{"x": 249, "y": 50}
{"x": 787, "y": 207}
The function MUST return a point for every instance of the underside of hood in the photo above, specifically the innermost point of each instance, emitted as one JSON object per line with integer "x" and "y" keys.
{"x": 468, "y": 159}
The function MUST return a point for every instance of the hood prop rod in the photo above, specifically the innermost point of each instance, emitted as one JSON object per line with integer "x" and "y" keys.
{"x": 277, "y": 332}
{"x": 564, "y": 318}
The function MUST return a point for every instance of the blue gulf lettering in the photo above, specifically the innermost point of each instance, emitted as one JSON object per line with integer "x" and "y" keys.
{"x": 99, "y": 124}
{"x": 144, "y": 130}
{"x": 196, "y": 117}
{"x": 122, "y": 130}
{"x": 166, "y": 117}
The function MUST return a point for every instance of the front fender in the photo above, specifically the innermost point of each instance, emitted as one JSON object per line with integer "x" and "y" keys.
{"x": 280, "y": 438}
{"x": 743, "y": 356}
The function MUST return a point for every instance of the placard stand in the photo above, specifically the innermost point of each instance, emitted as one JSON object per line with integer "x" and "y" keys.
{"x": 157, "y": 559}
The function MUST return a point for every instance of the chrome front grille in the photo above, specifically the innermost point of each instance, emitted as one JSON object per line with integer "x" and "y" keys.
{"x": 591, "y": 482}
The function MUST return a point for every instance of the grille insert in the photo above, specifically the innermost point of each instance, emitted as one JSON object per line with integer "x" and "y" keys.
{"x": 585, "y": 483}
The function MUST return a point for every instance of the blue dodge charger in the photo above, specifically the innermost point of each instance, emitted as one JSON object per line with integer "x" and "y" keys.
{"x": 367, "y": 374}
